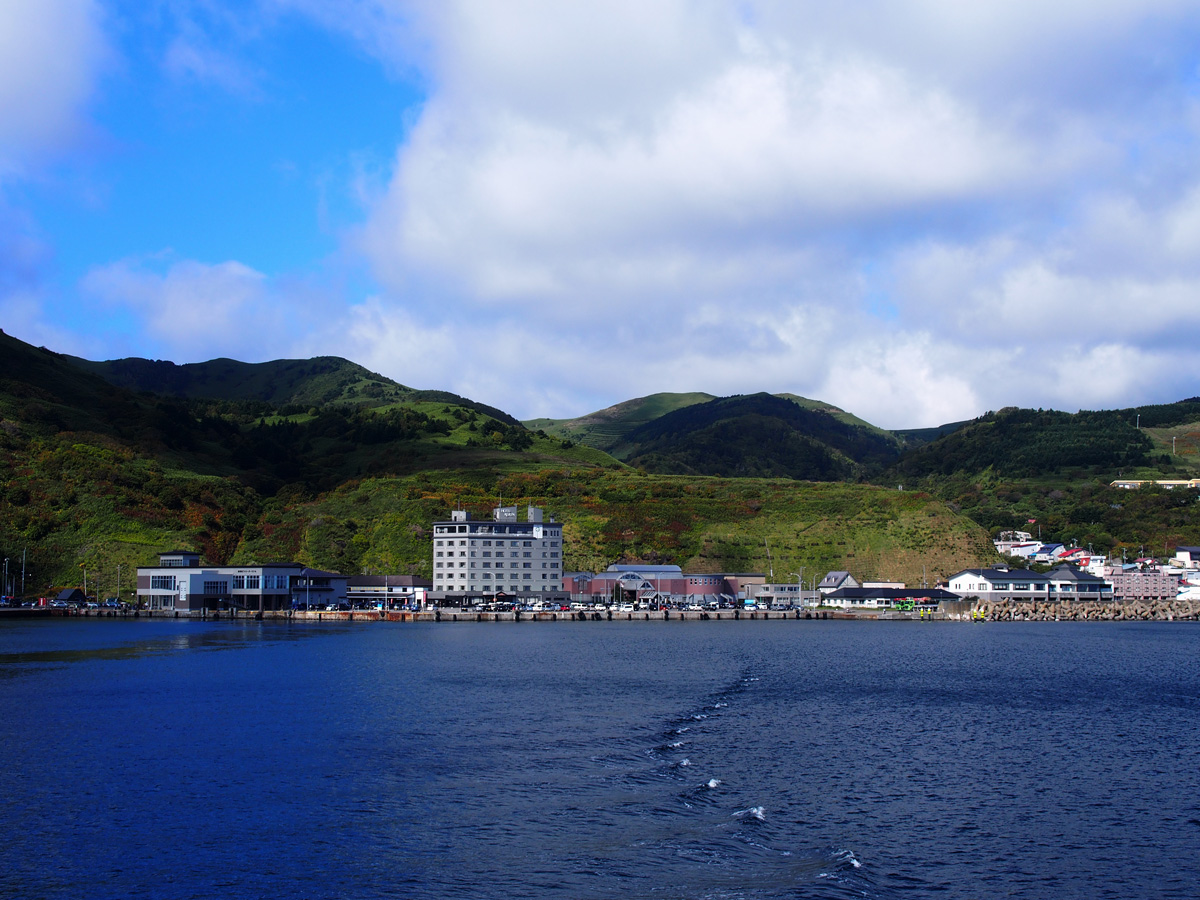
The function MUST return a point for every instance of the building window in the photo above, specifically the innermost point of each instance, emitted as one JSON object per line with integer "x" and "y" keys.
{"x": 216, "y": 587}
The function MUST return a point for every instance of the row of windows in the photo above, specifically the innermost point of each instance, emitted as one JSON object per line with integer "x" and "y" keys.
{"x": 1025, "y": 586}
{"x": 447, "y": 586}
{"x": 487, "y": 554}
{"x": 488, "y": 565}
{"x": 490, "y": 543}
{"x": 488, "y": 529}
{"x": 240, "y": 583}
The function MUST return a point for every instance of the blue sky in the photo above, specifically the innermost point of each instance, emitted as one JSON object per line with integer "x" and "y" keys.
{"x": 918, "y": 211}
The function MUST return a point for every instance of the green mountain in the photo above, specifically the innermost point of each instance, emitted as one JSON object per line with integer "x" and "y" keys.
{"x": 760, "y": 435}
{"x": 766, "y": 435}
{"x": 607, "y": 429}
{"x": 308, "y": 383}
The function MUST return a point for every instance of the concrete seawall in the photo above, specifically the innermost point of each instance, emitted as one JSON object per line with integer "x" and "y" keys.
{"x": 952, "y": 611}
{"x": 453, "y": 615}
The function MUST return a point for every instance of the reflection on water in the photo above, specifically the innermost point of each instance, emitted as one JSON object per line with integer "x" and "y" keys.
{"x": 31, "y": 643}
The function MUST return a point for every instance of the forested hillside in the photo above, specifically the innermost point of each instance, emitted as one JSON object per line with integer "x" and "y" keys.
{"x": 759, "y": 436}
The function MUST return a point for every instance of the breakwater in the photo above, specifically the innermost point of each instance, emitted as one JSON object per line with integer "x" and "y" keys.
{"x": 1074, "y": 611}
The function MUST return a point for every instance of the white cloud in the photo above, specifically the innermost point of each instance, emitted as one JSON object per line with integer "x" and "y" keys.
{"x": 50, "y": 54}
{"x": 198, "y": 310}
{"x": 916, "y": 211}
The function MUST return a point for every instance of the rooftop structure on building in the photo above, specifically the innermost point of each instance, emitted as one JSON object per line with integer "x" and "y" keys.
{"x": 836, "y": 580}
{"x": 1187, "y": 557}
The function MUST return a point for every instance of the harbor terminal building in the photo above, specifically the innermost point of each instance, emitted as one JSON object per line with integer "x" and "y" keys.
{"x": 502, "y": 558}
{"x": 179, "y": 583}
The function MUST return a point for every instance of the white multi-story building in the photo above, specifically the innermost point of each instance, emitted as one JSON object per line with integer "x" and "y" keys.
{"x": 475, "y": 559}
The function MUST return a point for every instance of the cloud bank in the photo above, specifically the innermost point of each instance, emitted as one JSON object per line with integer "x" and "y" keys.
{"x": 917, "y": 211}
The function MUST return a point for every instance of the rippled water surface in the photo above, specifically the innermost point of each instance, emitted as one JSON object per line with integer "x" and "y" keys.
{"x": 176, "y": 759}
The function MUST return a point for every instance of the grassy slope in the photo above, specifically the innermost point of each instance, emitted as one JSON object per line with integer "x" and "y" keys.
{"x": 702, "y": 524}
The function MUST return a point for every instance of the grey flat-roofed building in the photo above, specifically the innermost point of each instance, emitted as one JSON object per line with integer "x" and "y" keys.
{"x": 179, "y": 583}
{"x": 389, "y": 590}
{"x": 887, "y": 598}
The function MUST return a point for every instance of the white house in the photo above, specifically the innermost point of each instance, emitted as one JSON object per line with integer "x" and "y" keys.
{"x": 1003, "y": 583}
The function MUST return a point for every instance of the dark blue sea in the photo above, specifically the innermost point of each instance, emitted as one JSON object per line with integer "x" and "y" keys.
{"x": 178, "y": 759}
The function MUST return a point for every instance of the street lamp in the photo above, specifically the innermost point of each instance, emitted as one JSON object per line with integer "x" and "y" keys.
{"x": 800, "y": 583}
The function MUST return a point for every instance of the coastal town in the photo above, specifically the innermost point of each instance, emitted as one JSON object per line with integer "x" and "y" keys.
{"x": 510, "y": 565}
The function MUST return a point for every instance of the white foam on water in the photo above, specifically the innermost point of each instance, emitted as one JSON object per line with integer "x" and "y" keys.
{"x": 685, "y": 762}
{"x": 713, "y": 783}
{"x": 675, "y": 745}
{"x": 847, "y": 856}
{"x": 720, "y": 705}
{"x": 754, "y": 812}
